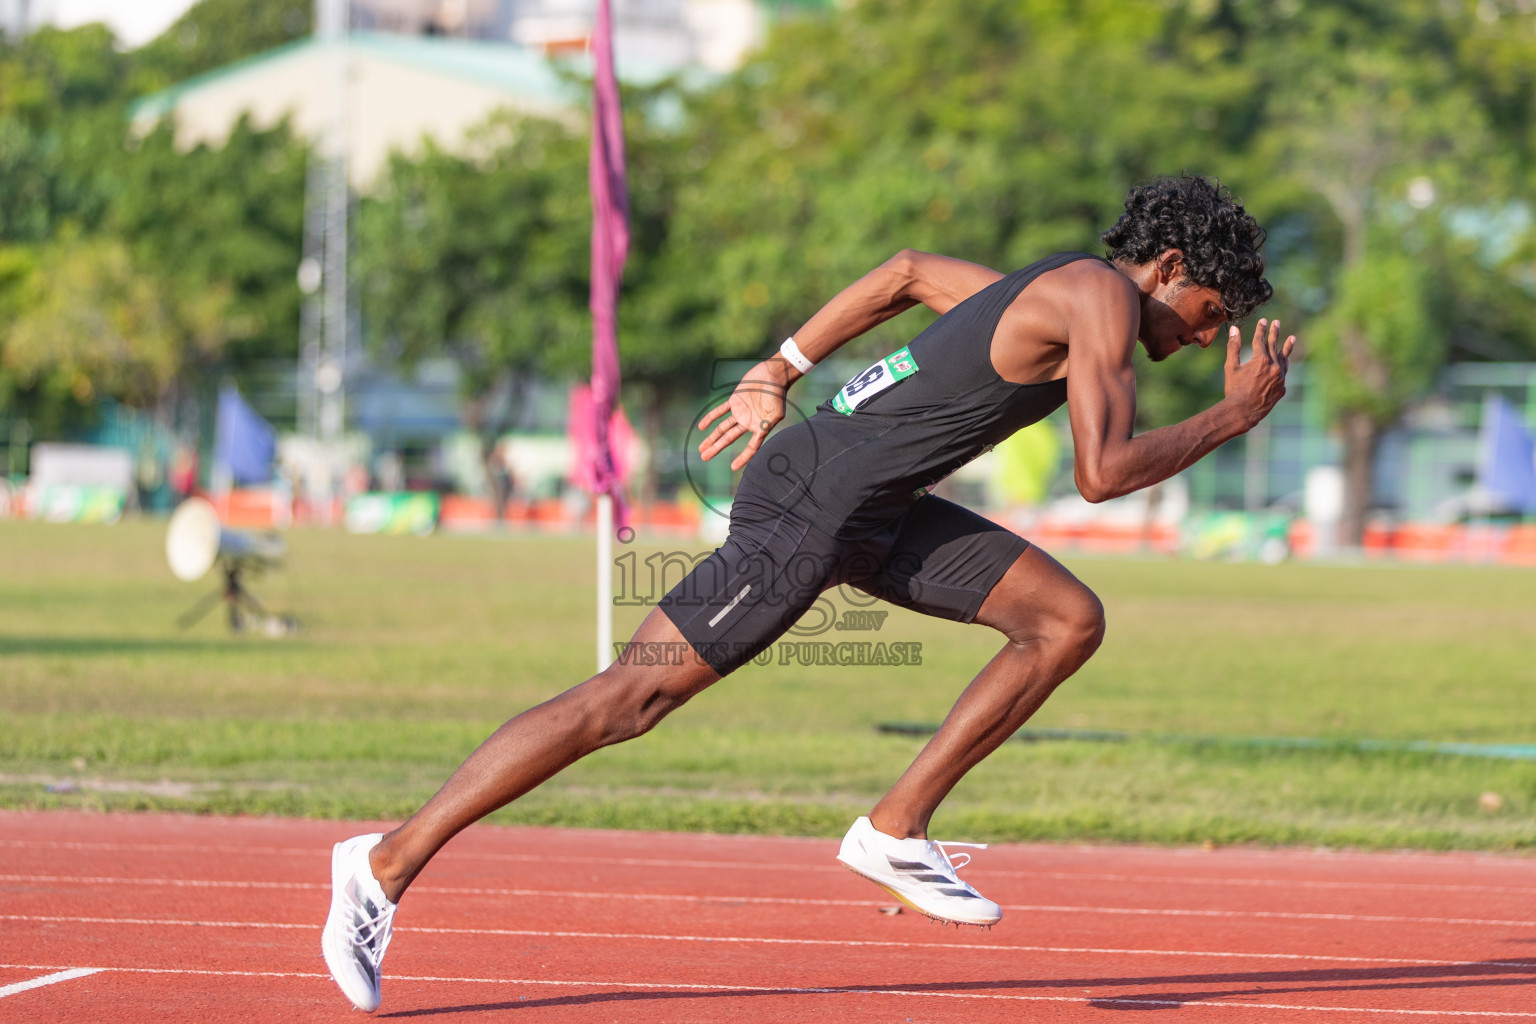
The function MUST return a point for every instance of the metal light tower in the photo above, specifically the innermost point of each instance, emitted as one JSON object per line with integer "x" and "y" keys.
{"x": 324, "y": 329}
{"x": 21, "y": 16}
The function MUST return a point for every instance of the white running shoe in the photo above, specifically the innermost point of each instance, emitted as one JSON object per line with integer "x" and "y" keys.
{"x": 919, "y": 873}
{"x": 357, "y": 930}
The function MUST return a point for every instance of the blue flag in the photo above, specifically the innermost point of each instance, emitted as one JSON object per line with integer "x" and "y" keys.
{"x": 243, "y": 442}
{"x": 1506, "y": 465}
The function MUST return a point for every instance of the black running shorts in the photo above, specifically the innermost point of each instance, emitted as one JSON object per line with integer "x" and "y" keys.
{"x": 939, "y": 558}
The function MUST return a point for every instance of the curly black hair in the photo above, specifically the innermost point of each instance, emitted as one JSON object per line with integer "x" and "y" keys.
{"x": 1199, "y": 217}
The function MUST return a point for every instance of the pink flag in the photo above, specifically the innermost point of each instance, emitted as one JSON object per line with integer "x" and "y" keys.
{"x": 610, "y": 247}
{"x": 622, "y": 440}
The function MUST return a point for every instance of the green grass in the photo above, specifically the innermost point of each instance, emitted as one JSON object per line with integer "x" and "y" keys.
{"x": 414, "y": 649}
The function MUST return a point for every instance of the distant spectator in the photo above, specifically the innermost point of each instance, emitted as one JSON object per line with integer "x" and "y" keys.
{"x": 184, "y": 472}
{"x": 391, "y": 471}
{"x": 148, "y": 475}
{"x": 498, "y": 475}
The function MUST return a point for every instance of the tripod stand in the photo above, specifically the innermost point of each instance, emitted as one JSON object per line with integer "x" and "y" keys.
{"x": 243, "y": 607}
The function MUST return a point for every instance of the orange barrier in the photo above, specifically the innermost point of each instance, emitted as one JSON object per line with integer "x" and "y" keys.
{"x": 251, "y": 509}
{"x": 1449, "y": 543}
{"x": 466, "y": 513}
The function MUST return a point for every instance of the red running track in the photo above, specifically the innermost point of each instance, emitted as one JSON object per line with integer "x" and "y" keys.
{"x": 170, "y": 918}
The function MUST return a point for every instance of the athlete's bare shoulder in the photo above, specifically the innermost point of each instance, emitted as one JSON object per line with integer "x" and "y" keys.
{"x": 1032, "y": 339}
{"x": 1087, "y": 284}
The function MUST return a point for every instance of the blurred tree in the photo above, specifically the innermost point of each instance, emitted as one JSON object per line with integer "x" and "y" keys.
{"x": 228, "y": 220}
{"x": 61, "y": 107}
{"x": 52, "y": 70}
{"x": 17, "y": 265}
{"x": 1370, "y": 109}
{"x": 216, "y": 33}
{"x": 61, "y": 122}
{"x": 87, "y": 324}
{"x": 480, "y": 259}
{"x": 29, "y": 175}
{"x": 200, "y": 230}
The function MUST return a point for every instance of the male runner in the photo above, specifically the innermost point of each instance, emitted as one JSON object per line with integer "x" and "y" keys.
{"x": 840, "y": 499}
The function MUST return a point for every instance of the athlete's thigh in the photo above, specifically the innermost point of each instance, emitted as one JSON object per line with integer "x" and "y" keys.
{"x": 944, "y": 561}
{"x": 1037, "y": 595}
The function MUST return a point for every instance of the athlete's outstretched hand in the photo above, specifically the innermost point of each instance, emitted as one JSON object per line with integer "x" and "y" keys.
{"x": 754, "y": 408}
{"x": 1260, "y": 382}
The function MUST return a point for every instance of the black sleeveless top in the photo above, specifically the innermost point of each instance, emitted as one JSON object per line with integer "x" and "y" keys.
{"x": 908, "y": 421}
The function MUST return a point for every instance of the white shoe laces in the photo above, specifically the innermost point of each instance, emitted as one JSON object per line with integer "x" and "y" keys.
{"x": 943, "y": 849}
{"x": 369, "y": 931}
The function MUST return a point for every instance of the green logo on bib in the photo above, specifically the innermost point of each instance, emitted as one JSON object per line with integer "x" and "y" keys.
{"x": 897, "y": 366}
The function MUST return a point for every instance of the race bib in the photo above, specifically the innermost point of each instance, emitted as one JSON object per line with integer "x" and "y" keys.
{"x": 899, "y": 365}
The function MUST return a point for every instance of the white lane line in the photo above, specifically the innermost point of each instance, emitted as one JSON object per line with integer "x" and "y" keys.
{"x": 194, "y": 883}
{"x": 978, "y": 869}
{"x": 906, "y": 993}
{"x": 1031, "y": 908}
{"x": 178, "y": 883}
{"x": 157, "y": 922}
{"x": 47, "y": 979}
{"x": 60, "y": 844}
{"x": 1263, "y": 883}
{"x": 1270, "y": 915}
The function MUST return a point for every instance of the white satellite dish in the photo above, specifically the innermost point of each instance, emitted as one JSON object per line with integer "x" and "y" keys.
{"x": 192, "y": 542}
{"x": 196, "y": 540}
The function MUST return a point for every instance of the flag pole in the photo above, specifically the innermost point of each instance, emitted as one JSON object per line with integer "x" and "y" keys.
{"x": 610, "y": 246}
{"x": 604, "y": 581}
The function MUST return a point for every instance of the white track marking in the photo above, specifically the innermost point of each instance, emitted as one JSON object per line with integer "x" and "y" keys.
{"x": 977, "y": 869}
{"x": 905, "y": 993}
{"x": 769, "y": 900}
{"x": 179, "y": 883}
{"x": 1281, "y": 915}
{"x": 60, "y": 844}
{"x": 47, "y": 979}
{"x": 1263, "y": 883}
{"x": 156, "y": 922}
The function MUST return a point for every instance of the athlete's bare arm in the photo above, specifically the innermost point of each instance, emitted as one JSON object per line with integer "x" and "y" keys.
{"x": 1101, "y": 397}
{"x": 905, "y": 280}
